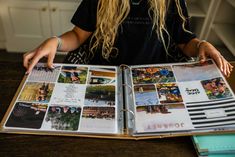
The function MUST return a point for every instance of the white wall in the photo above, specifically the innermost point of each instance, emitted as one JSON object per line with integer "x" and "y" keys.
{"x": 2, "y": 35}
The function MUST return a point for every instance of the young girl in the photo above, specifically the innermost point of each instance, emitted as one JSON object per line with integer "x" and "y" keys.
{"x": 114, "y": 32}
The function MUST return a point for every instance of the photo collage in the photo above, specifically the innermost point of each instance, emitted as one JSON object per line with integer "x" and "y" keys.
{"x": 163, "y": 98}
{"x": 164, "y": 94}
{"x": 71, "y": 98}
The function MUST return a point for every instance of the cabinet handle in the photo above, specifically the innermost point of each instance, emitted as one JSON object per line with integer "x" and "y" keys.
{"x": 54, "y": 9}
{"x": 44, "y": 9}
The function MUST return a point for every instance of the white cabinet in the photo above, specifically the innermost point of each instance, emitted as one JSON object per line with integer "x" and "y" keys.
{"x": 29, "y": 22}
{"x": 26, "y": 24}
{"x": 61, "y": 14}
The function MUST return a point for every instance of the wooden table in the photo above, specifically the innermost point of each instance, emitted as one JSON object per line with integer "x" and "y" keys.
{"x": 11, "y": 74}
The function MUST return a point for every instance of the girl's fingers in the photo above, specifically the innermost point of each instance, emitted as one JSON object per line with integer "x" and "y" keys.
{"x": 38, "y": 55}
{"x": 50, "y": 60}
{"x": 27, "y": 58}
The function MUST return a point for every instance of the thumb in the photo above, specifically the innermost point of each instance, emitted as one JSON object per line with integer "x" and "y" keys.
{"x": 202, "y": 56}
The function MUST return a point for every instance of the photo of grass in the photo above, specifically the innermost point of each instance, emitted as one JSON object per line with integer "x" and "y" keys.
{"x": 73, "y": 74}
{"x": 37, "y": 92}
{"x": 100, "y": 96}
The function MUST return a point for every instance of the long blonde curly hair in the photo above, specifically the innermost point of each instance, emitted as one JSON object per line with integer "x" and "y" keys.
{"x": 111, "y": 13}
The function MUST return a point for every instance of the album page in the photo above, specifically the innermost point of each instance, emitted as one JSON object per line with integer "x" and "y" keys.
{"x": 182, "y": 97}
{"x": 68, "y": 99}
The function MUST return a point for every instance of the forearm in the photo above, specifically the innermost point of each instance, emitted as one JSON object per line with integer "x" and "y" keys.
{"x": 69, "y": 42}
{"x": 73, "y": 39}
{"x": 191, "y": 48}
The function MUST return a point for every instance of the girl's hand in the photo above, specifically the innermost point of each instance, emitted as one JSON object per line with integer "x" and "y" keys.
{"x": 47, "y": 49}
{"x": 208, "y": 50}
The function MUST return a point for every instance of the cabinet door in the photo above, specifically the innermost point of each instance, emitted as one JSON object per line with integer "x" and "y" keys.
{"x": 26, "y": 23}
{"x": 61, "y": 14}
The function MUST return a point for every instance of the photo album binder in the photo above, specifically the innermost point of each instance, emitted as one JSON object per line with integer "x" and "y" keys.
{"x": 129, "y": 102}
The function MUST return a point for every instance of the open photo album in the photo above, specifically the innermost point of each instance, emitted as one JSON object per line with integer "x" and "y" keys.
{"x": 141, "y": 101}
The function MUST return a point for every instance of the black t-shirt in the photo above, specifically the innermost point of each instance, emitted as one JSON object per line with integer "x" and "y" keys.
{"x": 136, "y": 41}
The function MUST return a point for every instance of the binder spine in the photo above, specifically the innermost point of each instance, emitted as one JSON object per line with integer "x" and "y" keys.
{"x": 128, "y": 100}
{"x": 120, "y": 115}
{"x": 124, "y": 66}
{"x": 131, "y": 121}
